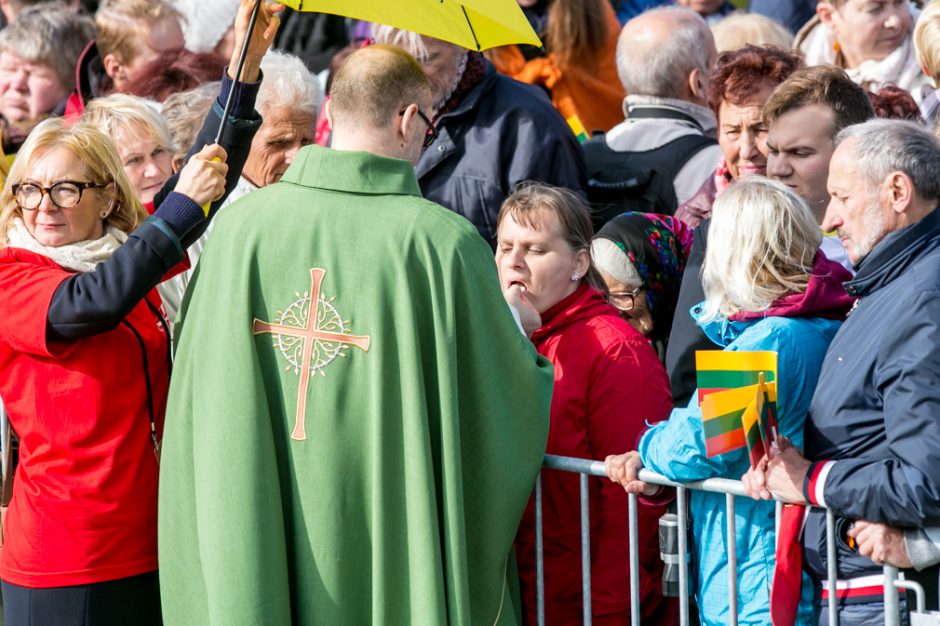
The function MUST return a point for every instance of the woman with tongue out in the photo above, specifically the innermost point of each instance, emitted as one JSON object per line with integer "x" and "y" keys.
{"x": 608, "y": 384}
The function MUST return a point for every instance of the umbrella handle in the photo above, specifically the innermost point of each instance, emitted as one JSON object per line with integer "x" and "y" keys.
{"x": 207, "y": 205}
{"x": 238, "y": 71}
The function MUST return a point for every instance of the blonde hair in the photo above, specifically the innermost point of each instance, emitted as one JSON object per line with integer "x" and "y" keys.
{"x": 927, "y": 39}
{"x": 97, "y": 154}
{"x": 120, "y": 24}
{"x": 762, "y": 243}
{"x": 120, "y": 113}
{"x": 740, "y": 29}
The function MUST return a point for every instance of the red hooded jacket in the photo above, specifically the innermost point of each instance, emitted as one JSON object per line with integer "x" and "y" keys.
{"x": 608, "y": 384}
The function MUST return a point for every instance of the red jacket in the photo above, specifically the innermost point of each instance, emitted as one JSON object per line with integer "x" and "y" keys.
{"x": 608, "y": 384}
{"x": 85, "y": 496}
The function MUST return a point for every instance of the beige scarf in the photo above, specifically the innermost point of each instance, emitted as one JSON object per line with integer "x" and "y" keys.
{"x": 83, "y": 256}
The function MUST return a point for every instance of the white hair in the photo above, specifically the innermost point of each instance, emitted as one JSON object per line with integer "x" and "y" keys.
{"x": 661, "y": 68}
{"x": 762, "y": 243}
{"x": 884, "y": 146}
{"x": 287, "y": 83}
{"x": 410, "y": 42}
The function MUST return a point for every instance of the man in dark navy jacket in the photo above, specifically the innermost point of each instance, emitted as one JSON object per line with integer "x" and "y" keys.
{"x": 873, "y": 434}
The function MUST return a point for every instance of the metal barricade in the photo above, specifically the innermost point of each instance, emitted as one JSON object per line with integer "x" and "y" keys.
{"x": 731, "y": 489}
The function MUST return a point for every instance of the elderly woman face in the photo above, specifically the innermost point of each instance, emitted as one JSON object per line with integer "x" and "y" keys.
{"x": 631, "y": 302}
{"x": 67, "y": 206}
{"x": 742, "y": 134}
{"x": 537, "y": 257}
{"x": 283, "y": 133}
{"x": 870, "y": 29}
{"x": 147, "y": 162}
{"x": 27, "y": 90}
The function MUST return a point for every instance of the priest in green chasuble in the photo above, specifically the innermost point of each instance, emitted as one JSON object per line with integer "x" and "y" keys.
{"x": 355, "y": 421}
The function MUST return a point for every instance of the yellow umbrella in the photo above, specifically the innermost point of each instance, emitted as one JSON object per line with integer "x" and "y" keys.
{"x": 473, "y": 24}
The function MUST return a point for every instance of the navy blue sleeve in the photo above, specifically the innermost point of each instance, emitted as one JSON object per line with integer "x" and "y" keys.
{"x": 903, "y": 488}
{"x": 240, "y": 130}
{"x": 95, "y": 302}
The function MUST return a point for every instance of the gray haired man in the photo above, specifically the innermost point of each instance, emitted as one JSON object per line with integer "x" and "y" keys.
{"x": 873, "y": 433}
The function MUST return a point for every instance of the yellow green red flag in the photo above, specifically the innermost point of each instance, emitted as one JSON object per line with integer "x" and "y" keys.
{"x": 718, "y": 370}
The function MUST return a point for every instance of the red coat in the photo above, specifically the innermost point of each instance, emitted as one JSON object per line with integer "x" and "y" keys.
{"x": 608, "y": 384}
{"x": 84, "y": 505}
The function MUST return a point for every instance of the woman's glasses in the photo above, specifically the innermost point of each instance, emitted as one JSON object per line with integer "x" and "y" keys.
{"x": 64, "y": 194}
{"x": 624, "y": 300}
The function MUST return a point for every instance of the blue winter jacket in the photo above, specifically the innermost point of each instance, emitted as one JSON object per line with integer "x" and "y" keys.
{"x": 876, "y": 411}
{"x": 676, "y": 449}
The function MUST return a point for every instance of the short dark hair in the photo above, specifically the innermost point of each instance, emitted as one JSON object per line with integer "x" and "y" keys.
{"x": 741, "y": 73}
{"x": 821, "y": 84}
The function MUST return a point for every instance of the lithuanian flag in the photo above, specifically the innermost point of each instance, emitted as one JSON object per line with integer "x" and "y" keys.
{"x": 722, "y": 414}
{"x": 578, "y": 128}
{"x": 718, "y": 370}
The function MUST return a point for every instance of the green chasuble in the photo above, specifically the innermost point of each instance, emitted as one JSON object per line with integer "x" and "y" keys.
{"x": 355, "y": 422}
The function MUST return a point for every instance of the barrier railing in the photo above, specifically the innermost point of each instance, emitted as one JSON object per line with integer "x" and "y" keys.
{"x": 731, "y": 489}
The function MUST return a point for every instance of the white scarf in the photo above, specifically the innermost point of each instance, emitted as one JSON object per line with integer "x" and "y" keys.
{"x": 83, "y": 256}
{"x": 900, "y": 67}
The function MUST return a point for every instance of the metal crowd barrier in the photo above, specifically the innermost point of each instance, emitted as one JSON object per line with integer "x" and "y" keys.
{"x": 731, "y": 489}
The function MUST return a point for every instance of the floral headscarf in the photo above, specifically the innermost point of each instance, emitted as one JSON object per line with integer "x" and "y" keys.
{"x": 657, "y": 246}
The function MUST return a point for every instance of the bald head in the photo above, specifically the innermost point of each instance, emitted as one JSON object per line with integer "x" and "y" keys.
{"x": 374, "y": 84}
{"x": 659, "y": 50}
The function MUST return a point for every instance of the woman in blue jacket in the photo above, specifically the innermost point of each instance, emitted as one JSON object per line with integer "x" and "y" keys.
{"x": 767, "y": 287}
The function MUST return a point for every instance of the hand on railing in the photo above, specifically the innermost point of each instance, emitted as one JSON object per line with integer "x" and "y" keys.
{"x": 881, "y": 543}
{"x": 623, "y": 469}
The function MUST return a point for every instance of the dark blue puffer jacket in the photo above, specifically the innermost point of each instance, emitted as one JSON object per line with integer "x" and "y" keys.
{"x": 502, "y": 132}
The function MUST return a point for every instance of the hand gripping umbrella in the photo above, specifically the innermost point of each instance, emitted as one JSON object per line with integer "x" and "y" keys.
{"x": 472, "y": 24}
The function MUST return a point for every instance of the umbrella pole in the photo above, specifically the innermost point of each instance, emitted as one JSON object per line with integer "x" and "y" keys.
{"x": 238, "y": 71}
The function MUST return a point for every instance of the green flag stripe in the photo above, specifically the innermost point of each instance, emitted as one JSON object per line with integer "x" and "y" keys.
{"x": 723, "y": 424}
{"x": 730, "y": 379}
{"x": 753, "y": 436}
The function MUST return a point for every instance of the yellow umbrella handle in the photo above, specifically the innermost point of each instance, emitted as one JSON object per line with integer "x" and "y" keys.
{"x": 205, "y": 207}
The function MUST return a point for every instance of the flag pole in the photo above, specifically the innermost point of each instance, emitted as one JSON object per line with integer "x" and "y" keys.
{"x": 238, "y": 71}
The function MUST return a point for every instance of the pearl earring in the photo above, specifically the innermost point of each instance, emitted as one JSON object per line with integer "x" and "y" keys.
{"x": 576, "y": 276}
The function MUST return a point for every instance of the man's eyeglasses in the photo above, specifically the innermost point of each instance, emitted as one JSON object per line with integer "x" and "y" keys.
{"x": 431, "y": 135}
{"x": 624, "y": 300}
{"x": 64, "y": 194}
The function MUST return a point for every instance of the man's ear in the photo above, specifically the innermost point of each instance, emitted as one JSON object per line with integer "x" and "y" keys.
{"x": 114, "y": 69}
{"x": 328, "y": 112}
{"x": 900, "y": 191}
{"x": 824, "y": 11}
{"x": 696, "y": 85}
{"x": 408, "y": 117}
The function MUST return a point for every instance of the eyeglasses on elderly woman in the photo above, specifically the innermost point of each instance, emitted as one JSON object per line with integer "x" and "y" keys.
{"x": 624, "y": 300}
{"x": 64, "y": 194}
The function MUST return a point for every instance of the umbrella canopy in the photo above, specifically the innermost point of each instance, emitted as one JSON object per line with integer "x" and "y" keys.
{"x": 473, "y": 24}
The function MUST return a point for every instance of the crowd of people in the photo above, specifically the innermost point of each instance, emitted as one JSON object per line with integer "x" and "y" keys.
{"x": 301, "y": 363}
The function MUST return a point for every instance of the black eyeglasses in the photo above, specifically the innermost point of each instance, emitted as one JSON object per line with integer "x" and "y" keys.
{"x": 431, "y": 135}
{"x": 624, "y": 300}
{"x": 64, "y": 194}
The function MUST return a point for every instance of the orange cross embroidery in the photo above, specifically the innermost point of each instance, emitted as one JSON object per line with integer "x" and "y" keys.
{"x": 320, "y": 335}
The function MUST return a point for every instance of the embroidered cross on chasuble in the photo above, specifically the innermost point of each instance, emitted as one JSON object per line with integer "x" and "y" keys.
{"x": 310, "y": 334}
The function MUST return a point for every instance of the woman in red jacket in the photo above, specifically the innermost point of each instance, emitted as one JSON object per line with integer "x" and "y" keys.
{"x": 85, "y": 359}
{"x": 608, "y": 385}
